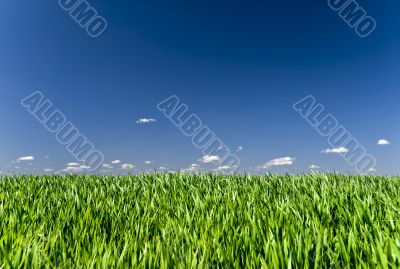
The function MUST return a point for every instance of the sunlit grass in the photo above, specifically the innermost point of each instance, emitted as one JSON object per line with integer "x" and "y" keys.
{"x": 200, "y": 221}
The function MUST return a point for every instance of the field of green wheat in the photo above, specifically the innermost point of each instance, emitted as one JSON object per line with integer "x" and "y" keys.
{"x": 200, "y": 221}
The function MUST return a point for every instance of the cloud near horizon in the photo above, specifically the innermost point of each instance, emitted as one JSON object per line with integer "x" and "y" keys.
{"x": 128, "y": 166}
{"x": 209, "y": 159}
{"x": 314, "y": 167}
{"x": 285, "y": 161}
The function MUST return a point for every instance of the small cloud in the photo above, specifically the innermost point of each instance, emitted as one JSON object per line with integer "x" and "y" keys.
{"x": 162, "y": 168}
{"x": 128, "y": 166}
{"x": 383, "y": 142}
{"x": 278, "y": 162}
{"x": 47, "y": 157}
{"x": 239, "y": 148}
{"x": 371, "y": 170}
{"x": 106, "y": 165}
{"x": 26, "y": 158}
{"x": 223, "y": 168}
{"x": 145, "y": 121}
{"x": 47, "y": 170}
{"x": 76, "y": 169}
{"x": 147, "y": 162}
{"x": 209, "y": 159}
{"x": 73, "y": 164}
{"x": 71, "y": 169}
{"x": 336, "y": 150}
{"x": 314, "y": 167}
{"x": 116, "y": 162}
{"x": 192, "y": 168}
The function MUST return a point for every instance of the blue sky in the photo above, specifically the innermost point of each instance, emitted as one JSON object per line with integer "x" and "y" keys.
{"x": 239, "y": 65}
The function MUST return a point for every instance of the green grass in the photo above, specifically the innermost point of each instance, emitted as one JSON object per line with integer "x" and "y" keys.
{"x": 200, "y": 221}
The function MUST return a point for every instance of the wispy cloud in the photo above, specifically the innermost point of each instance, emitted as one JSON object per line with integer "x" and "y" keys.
{"x": 194, "y": 167}
{"x": 106, "y": 165}
{"x": 116, "y": 162}
{"x": 145, "y": 121}
{"x": 72, "y": 169}
{"x": 147, "y": 162}
{"x": 76, "y": 169}
{"x": 239, "y": 148}
{"x": 73, "y": 164}
{"x": 383, "y": 142}
{"x": 47, "y": 170}
{"x": 26, "y": 158}
{"x": 128, "y": 166}
{"x": 336, "y": 150}
{"x": 285, "y": 161}
{"x": 162, "y": 168}
{"x": 314, "y": 167}
{"x": 209, "y": 159}
{"x": 223, "y": 168}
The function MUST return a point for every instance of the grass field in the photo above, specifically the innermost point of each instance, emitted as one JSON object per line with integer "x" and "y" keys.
{"x": 200, "y": 221}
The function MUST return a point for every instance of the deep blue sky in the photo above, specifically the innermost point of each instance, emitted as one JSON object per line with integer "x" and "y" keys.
{"x": 240, "y": 65}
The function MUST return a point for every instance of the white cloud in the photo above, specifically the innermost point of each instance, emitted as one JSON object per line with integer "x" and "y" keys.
{"x": 223, "y": 168}
{"x": 48, "y": 170}
{"x": 71, "y": 169}
{"x": 192, "y": 168}
{"x": 106, "y": 165}
{"x": 128, "y": 166}
{"x": 372, "y": 170}
{"x": 26, "y": 158}
{"x": 116, "y": 162}
{"x": 239, "y": 149}
{"x": 279, "y": 162}
{"x": 145, "y": 121}
{"x": 314, "y": 167}
{"x": 73, "y": 164}
{"x": 47, "y": 157}
{"x": 383, "y": 142}
{"x": 147, "y": 162}
{"x": 76, "y": 169}
{"x": 162, "y": 168}
{"x": 209, "y": 159}
{"x": 336, "y": 150}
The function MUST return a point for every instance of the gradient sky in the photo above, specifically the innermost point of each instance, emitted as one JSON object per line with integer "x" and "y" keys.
{"x": 239, "y": 65}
